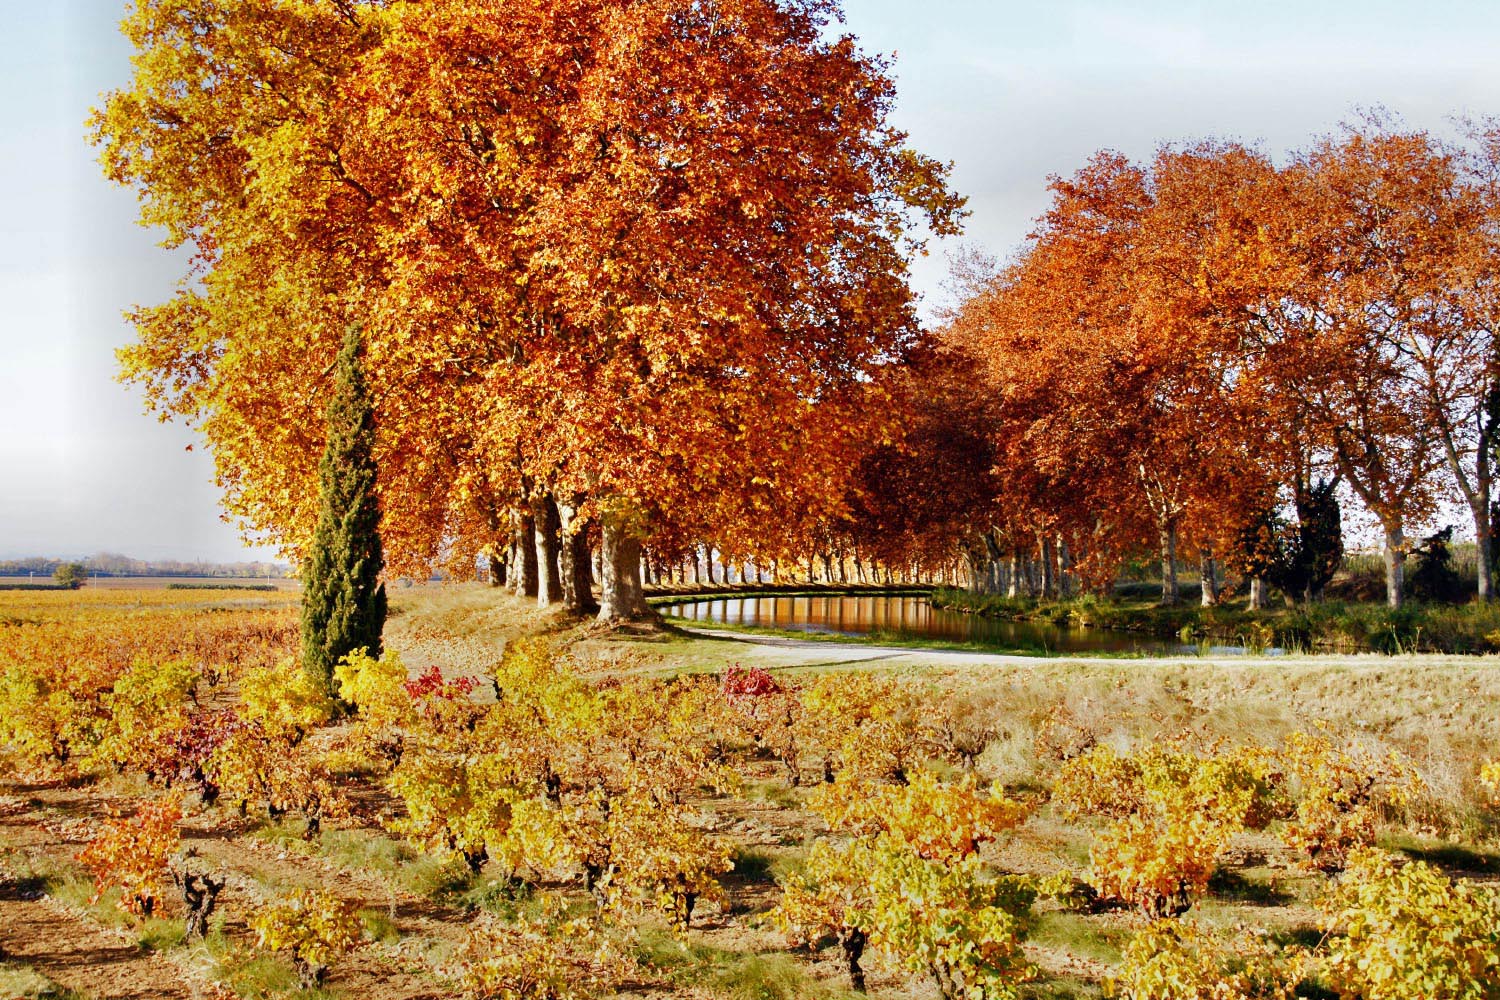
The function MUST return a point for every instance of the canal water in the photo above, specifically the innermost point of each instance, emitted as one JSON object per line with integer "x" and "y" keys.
{"x": 911, "y": 617}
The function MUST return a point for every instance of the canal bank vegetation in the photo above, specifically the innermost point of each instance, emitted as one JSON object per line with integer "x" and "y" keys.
{"x": 1336, "y": 626}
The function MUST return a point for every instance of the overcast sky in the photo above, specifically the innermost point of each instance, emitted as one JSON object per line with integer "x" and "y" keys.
{"x": 1010, "y": 92}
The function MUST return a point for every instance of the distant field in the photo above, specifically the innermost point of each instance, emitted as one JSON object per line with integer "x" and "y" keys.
{"x": 155, "y": 582}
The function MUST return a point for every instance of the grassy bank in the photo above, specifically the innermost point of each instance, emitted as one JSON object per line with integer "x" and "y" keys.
{"x": 1334, "y": 625}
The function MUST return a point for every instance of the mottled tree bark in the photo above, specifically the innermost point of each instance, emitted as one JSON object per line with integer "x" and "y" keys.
{"x": 1048, "y": 582}
{"x": 622, "y": 598}
{"x": 575, "y": 561}
{"x": 525, "y": 569}
{"x": 1395, "y": 565}
{"x": 1208, "y": 577}
{"x": 1169, "y": 592}
{"x": 549, "y": 588}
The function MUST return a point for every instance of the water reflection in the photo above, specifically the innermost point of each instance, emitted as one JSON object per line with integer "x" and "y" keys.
{"x": 914, "y": 617}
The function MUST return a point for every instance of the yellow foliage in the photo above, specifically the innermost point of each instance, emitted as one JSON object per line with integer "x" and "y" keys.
{"x": 1158, "y": 860}
{"x": 830, "y": 897}
{"x": 1182, "y": 960}
{"x": 283, "y": 699}
{"x": 936, "y": 820}
{"x": 951, "y": 922}
{"x": 376, "y": 688}
{"x": 1174, "y": 812}
{"x": 866, "y": 724}
{"x": 1406, "y": 932}
{"x": 1489, "y": 777}
{"x": 454, "y": 801}
{"x": 315, "y": 928}
{"x": 1340, "y": 792}
{"x": 658, "y": 856}
{"x": 146, "y": 704}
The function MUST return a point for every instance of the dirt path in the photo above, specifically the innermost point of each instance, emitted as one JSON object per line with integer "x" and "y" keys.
{"x": 81, "y": 957}
{"x": 67, "y": 947}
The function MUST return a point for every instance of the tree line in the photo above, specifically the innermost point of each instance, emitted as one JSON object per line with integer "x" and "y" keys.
{"x": 630, "y": 285}
{"x": 110, "y": 564}
{"x": 620, "y": 273}
{"x": 1198, "y": 351}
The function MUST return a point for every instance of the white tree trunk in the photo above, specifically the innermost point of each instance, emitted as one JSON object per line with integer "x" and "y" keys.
{"x": 1395, "y": 565}
{"x": 1257, "y": 593}
{"x": 622, "y": 597}
{"x": 1208, "y": 577}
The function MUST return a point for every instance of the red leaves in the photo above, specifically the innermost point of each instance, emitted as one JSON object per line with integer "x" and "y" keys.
{"x": 432, "y": 684}
{"x": 747, "y": 682}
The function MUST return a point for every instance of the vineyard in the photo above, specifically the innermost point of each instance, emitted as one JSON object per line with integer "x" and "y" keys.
{"x": 508, "y": 805}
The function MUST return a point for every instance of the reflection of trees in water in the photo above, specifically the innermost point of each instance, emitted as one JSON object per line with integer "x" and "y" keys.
{"x": 914, "y": 617}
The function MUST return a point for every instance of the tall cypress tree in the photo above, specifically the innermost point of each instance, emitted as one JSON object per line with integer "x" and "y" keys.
{"x": 343, "y": 600}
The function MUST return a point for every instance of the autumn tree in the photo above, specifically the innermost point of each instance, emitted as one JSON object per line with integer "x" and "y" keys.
{"x": 1472, "y": 427}
{"x": 1242, "y": 339}
{"x": 1356, "y": 241}
{"x": 638, "y": 258}
{"x": 343, "y": 598}
{"x": 1117, "y": 370}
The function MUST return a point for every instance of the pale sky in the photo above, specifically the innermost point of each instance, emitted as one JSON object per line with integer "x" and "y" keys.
{"x": 1010, "y": 92}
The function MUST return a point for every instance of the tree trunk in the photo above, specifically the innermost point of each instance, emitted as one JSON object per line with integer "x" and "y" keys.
{"x": 1013, "y": 572}
{"x": 576, "y": 561}
{"x": 1257, "y": 593}
{"x": 1485, "y": 555}
{"x": 1395, "y": 565}
{"x": 497, "y": 559}
{"x": 526, "y": 568}
{"x": 621, "y": 596}
{"x": 583, "y": 573}
{"x": 1484, "y": 529}
{"x": 1208, "y": 577}
{"x": 1169, "y": 592}
{"x": 549, "y": 589}
{"x": 1064, "y": 568}
{"x": 708, "y": 560}
{"x": 1049, "y": 583}
{"x": 567, "y": 569}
